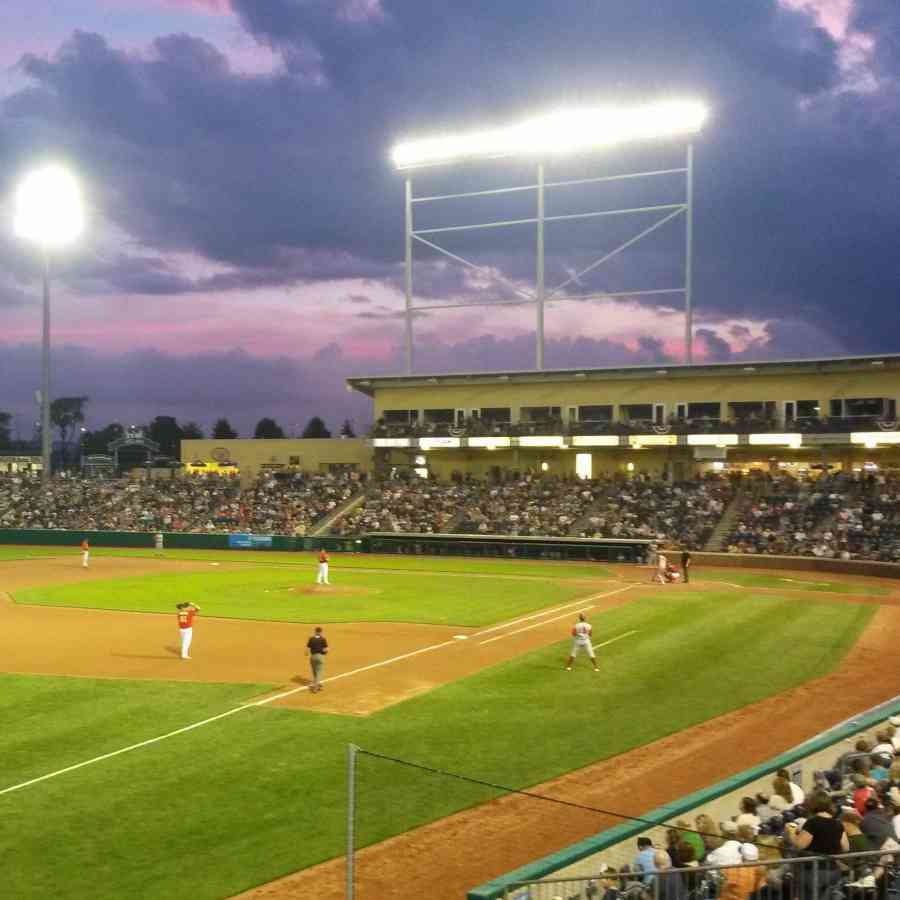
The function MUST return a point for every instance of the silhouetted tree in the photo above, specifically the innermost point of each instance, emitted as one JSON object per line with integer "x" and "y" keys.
{"x": 268, "y": 428}
{"x": 166, "y": 431}
{"x": 223, "y": 430}
{"x": 347, "y": 429}
{"x": 192, "y": 431}
{"x": 315, "y": 428}
{"x": 67, "y": 414}
{"x": 5, "y": 436}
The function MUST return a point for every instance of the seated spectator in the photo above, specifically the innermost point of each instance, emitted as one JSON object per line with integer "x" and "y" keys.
{"x": 668, "y": 884}
{"x": 692, "y": 838}
{"x": 797, "y": 793}
{"x": 764, "y": 809}
{"x": 709, "y": 833}
{"x": 876, "y": 823}
{"x": 748, "y": 815}
{"x": 739, "y": 882}
{"x": 862, "y": 791}
{"x": 644, "y": 861}
{"x": 781, "y": 788}
{"x": 859, "y": 842}
{"x": 821, "y": 833}
{"x": 729, "y": 853}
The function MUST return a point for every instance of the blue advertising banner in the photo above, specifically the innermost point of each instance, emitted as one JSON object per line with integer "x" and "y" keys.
{"x": 250, "y": 541}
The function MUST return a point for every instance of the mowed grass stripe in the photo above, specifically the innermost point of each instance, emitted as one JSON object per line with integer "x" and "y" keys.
{"x": 261, "y": 794}
{"x": 276, "y": 594}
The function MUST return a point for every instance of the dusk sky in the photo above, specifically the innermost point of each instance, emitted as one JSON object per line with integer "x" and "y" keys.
{"x": 245, "y": 244}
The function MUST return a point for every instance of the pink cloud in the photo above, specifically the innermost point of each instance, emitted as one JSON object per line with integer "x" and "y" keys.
{"x": 215, "y": 7}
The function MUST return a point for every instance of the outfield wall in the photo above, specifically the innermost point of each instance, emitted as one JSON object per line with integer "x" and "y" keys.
{"x": 335, "y": 543}
{"x": 617, "y": 846}
{"x": 799, "y": 563}
{"x": 172, "y": 540}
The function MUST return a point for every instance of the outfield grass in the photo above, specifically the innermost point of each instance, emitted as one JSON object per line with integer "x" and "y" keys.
{"x": 14, "y": 553}
{"x": 261, "y": 793}
{"x": 268, "y": 593}
{"x": 800, "y": 581}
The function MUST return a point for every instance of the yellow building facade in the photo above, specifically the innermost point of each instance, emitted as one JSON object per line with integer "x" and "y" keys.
{"x": 661, "y": 419}
{"x": 250, "y": 456}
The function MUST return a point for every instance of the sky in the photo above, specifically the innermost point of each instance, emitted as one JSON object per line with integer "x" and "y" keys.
{"x": 244, "y": 249}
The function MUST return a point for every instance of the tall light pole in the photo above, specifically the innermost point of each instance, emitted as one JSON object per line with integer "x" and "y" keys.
{"x": 48, "y": 212}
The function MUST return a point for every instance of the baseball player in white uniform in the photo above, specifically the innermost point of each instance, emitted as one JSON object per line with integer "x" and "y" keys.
{"x": 662, "y": 566}
{"x": 581, "y": 640}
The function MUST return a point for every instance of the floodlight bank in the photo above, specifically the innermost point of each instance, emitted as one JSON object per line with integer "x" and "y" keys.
{"x": 48, "y": 207}
{"x": 565, "y": 131}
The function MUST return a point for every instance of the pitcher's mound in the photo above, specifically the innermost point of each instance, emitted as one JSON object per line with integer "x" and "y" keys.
{"x": 330, "y": 589}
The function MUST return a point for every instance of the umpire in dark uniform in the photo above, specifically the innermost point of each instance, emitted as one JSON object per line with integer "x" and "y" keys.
{"x": 316, "y": 648}
{"x": 685, "y": 565}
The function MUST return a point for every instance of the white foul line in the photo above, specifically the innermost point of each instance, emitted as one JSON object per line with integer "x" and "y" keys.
{"x": 616, "y": 638}
{"x": 540, "y": 615}
{"x": 97, "y": 759}
{"x": 376, "y": 665}
{"x": 500, "y": 637}
{"x": 237, "y": 709}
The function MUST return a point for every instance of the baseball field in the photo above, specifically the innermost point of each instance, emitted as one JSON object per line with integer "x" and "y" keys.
{"x": 130, "y": 772}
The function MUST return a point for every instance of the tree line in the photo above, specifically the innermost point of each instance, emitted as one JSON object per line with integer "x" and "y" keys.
{"x": 67, "y": 416}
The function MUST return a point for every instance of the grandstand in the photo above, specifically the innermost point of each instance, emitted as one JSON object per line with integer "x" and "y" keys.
{"x": 708, "y": 457}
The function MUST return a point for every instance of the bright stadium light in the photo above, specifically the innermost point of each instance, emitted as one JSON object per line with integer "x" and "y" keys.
{"x": 48, "y": 211}
{"x": 48, "y": 207}
{"x": 565, "y": 131}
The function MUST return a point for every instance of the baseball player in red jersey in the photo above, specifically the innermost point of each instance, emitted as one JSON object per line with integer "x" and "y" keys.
{"x": 186, "y": 615}
{"x": 85, "y": 552}
{"x": 322, "y": 577}
{"x": 581, "y": 640}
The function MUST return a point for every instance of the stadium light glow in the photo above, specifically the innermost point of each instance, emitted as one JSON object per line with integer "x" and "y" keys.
{"x": 48, "y": 207}
{"x": 564, "y": 131}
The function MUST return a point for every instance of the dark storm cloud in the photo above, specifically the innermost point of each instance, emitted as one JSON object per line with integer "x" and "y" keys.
{"x": 285, "y": 178}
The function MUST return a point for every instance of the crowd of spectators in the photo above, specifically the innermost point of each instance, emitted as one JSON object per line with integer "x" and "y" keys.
{"x": 409, "y": 505}
{"x": 198, "y": 503}
{"x": 838, "y": 516}
{"x": 681, "y": 512}
{"x": 852, "y": 808}
{"x": 193, "y": 503}
{"x": 529, "y": 505}
{"x": 843, "y": 516}
{"x": 293, "y": 503}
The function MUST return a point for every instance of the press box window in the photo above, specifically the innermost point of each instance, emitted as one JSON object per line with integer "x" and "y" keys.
{"x": 400, "y": 416}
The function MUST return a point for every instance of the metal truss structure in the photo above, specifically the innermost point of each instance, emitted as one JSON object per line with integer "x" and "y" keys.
{"x": 541, "y": 295}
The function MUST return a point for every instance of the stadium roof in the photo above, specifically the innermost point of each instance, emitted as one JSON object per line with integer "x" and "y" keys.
{"x": 368, "y": 384}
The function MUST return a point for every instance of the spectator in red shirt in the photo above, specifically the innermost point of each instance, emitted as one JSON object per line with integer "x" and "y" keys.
{"x": 862, "y": 790}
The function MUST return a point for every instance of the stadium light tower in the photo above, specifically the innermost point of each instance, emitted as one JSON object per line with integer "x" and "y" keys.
{"x": 48, "y": 212}
{"x": 545, "y": 138}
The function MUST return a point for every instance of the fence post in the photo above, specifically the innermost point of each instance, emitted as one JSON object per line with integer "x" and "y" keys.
{"x": 352, "y": 750}
{"x": 815, "y": 879}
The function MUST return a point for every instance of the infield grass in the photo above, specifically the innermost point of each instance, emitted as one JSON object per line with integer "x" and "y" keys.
{"x": 261, "y": 793}
{"x": 340, "y": 561}
{"x": 277, "y": 594}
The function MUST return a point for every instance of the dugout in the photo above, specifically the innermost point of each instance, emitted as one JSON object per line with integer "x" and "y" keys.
{"x": 500, "y": 546}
